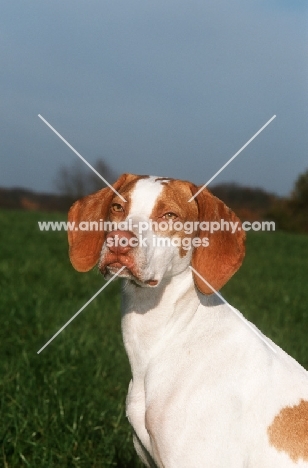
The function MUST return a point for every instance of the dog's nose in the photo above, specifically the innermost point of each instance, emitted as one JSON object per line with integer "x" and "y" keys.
{"x": 120, "y": 242}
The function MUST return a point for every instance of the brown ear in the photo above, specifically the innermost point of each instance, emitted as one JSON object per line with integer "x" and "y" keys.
{"x": 85, "y": 246}
{"x": 225, "y": 252}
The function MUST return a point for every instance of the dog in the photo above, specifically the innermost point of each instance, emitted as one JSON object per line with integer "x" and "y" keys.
{"x": 207, "y": 389}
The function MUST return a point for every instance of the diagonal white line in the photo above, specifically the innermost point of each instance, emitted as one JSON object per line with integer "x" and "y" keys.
{"x": 80, "y": 310}
{"x": 233, "y": 157}
{"x": 79, "y": 155}
{"x": 237, "y": 313}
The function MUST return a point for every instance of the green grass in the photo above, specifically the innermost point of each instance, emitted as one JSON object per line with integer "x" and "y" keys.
{"x": 65, "y": 406}
{"x": 270, "y": 289}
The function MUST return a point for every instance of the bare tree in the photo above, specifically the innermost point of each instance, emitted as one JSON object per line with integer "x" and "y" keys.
{"x": 291, "y": 214}
{"x": 78, "y": 180}
{"x": 299, "y": 195}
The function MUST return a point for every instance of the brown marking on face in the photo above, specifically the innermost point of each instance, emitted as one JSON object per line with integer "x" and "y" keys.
{"x": 216, "y": 262}
{"x": 85, "y": 246}
{"x": 126, "y": 191}
{"x": 174, "y": 199}
{"x": 289, "y": 431}
{"x": 112, "y": 259}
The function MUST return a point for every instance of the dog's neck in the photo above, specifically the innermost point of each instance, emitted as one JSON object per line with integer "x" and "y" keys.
{"x": 152, "y": 316}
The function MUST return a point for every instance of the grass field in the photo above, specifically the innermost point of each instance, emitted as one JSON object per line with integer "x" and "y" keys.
{"x": 65, "y": 406}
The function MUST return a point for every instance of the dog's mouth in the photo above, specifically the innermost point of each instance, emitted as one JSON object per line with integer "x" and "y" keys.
{"x": 114, "y": 267}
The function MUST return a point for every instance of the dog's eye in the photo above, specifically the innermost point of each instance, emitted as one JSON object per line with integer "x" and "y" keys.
{"x": 170, "y": 215}
{"x": 117, "y": 208}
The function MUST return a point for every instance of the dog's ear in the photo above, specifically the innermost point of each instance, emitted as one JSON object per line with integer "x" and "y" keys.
{"x": 85, "y": 246}
{"x": 225, "y": 252}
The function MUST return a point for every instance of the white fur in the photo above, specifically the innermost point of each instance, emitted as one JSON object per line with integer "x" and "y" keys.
{"x": 144, "y": 196}
{"x": 204, "y": 387}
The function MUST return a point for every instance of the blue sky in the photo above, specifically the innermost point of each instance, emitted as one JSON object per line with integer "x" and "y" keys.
{"x": 166, "y": 88}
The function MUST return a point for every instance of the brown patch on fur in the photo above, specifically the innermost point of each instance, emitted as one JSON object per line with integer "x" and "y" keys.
{"x": 174, "y": 198}
{"x": 128, "y": 186}
{"x": 289, "y": 431}
{"x": 225, "y": 252}
{"x": 125, "y": 190}
{"x": 85, "y": 246}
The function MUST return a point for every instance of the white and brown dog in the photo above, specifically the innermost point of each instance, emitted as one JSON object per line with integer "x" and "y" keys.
{"x": 206, "y": 391}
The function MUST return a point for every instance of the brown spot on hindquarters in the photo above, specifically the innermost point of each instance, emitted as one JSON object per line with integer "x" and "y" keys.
{"x": 289, "y": 431}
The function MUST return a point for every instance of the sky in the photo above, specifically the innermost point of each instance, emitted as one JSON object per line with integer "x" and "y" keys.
{"x": 167, "y": 88}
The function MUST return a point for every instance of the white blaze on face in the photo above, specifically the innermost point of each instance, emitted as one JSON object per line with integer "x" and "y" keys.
{"x": 144, "y": 197}
{"x": 156, "y": 261}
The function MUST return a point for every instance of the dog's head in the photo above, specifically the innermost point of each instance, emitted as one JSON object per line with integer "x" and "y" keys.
{"x": 157, "y": 232}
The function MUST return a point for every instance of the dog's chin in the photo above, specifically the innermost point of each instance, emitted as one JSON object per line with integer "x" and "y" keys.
{"x": 114, "y": 268}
